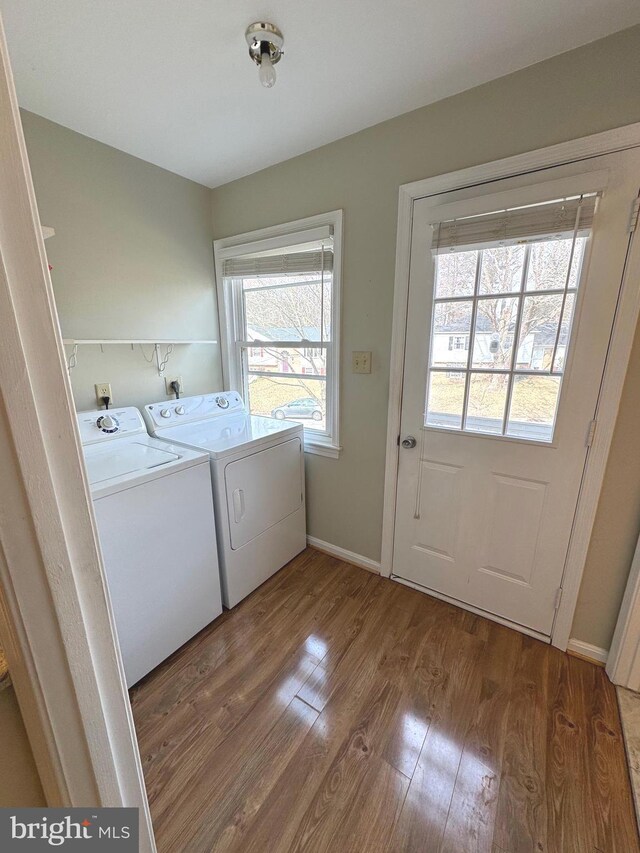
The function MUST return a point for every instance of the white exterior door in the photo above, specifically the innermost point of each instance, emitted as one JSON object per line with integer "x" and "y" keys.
{"x": 508, "y": 325}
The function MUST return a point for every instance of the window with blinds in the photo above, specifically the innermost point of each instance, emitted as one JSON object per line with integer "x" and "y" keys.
{"x": 507, "y": 283}
{"x": 280, "y": 299}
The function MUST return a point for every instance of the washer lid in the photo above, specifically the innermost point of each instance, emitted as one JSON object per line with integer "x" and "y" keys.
{"x": 221, "y": 436}
{"x": 113, "y": 466}
{"x": 115, "y": 459}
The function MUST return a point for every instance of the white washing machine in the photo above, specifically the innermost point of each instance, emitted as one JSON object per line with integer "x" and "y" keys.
{"x": 154, "y": 511}
{"x": 258, "y": 483}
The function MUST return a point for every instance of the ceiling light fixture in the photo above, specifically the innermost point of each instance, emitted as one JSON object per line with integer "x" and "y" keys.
{"x": 265, "y": 48}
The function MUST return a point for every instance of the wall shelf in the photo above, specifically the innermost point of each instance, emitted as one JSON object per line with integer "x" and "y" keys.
{"x": 142, "y": 341}
{"x": 156, "y": 343}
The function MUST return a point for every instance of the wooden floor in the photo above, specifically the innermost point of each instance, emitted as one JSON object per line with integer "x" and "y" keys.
{"x": 334, "y": 710}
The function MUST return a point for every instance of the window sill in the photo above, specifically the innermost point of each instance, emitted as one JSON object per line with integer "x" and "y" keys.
{"x": 320, "y": 448}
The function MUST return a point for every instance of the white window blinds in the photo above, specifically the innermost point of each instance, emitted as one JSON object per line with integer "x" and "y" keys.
{"x": 302, "y": 254}
{"x": 546, "y": 221}
{"x": 297, "y": 263}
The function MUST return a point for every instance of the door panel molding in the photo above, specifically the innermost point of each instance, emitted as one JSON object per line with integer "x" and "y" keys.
{"x": 444, "y": 536}
{"x": 624, "y": 326}
{"x": 504, "y": 517}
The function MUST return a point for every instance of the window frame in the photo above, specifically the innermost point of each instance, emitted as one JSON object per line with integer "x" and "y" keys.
{"x": 230, "y": 312}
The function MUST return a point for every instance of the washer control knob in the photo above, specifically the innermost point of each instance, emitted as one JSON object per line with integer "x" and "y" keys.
{"x": 179, "y": 410}
{"x": 223, "y": 402}
{"x": 165, "y": 413}
{"x": 107, "y": 423}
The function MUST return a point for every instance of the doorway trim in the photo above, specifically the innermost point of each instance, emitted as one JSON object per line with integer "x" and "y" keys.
{"x": 625, "y": 321}
{"x": 623, "y": 662}
{"x": 55, "y": 617}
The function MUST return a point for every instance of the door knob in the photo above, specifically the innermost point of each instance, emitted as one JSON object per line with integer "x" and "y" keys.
{"x": 409, "y": 442}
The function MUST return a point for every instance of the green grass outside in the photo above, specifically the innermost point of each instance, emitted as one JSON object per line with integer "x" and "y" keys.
{"x": 533, "y": 400}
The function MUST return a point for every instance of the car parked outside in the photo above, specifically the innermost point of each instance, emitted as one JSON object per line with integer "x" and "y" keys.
{"x": 304, "y": 407}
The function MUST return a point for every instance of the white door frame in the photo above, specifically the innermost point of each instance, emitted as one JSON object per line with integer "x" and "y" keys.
{"x": 623, "y": 662}
{"x": 56, "y": 620}
{"x": 623, "y": 332}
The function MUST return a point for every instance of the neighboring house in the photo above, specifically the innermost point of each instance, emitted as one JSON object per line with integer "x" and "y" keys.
{"x": 451, "y": 346}
{"x": 301, "y": 360}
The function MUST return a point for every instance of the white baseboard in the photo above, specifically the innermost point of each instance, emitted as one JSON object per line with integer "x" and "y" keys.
{"x": 343, "y": 554}
{"x": 586, "y": 650}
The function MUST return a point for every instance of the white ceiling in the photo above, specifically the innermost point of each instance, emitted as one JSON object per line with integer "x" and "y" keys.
{"x": 170, "y": 81}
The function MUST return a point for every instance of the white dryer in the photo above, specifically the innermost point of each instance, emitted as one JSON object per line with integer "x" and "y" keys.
{"x": 257, "y": 465}
{"x": 154, "y": 511}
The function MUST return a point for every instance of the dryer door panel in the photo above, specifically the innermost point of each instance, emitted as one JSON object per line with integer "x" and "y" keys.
{"x": 262, "y": 489}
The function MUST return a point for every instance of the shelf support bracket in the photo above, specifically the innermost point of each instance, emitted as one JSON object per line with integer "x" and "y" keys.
{"x": 162, "y": 362}
{"x": 73, "y": 359}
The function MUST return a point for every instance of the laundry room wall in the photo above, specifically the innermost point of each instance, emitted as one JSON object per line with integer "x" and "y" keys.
{"x": 132, "y": 259}
{"x": 591, "y": 89}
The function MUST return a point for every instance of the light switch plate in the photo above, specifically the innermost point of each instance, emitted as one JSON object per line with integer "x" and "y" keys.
{"x": 361, "y": 362}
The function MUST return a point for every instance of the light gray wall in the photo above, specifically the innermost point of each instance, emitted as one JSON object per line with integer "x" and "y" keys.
{"x": 591, "y": 89}
{"x": 132, "y": 259}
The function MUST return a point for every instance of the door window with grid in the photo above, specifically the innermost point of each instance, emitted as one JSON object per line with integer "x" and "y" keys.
{"x": 281, "y": 309}
{"x": 505, "y": 293}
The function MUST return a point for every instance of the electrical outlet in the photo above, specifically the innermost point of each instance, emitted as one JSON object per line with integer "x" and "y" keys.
{"x": 103, "y": 389}
{"x": 167, "y": 382}
{"x": 361, "y": 362}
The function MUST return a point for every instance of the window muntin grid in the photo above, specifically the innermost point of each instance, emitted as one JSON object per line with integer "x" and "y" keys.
{"x": 516, "y": 305}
